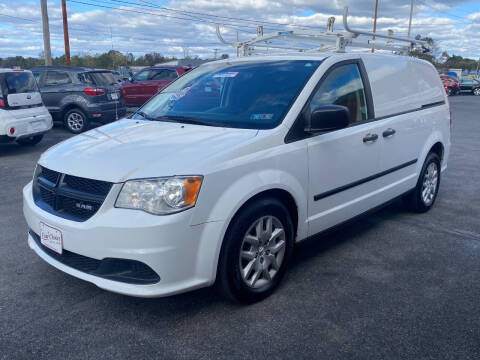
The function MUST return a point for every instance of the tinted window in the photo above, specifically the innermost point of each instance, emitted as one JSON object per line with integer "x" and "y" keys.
{"x": 162, "y": 74}
{"x": 85, "y": 78}
{"x": 57, "y": 78}
{"x": 20, "y": 82}
{"x": 343, "y": 86}
{"x": 142, "y": 76}
{"x": 103, "y": 77}
{"x": 254, "y": 95}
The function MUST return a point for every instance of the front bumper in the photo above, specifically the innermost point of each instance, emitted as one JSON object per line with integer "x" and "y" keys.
{"x": 184, "y": 256}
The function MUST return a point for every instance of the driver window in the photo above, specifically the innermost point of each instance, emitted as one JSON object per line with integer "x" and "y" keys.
{"x": 343, "y": 86}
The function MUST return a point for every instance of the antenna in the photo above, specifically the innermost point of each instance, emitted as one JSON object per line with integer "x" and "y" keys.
{"x": 320, "y": 41}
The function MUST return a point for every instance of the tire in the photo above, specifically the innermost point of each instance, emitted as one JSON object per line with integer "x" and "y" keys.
{"x": 425, "y": 193}
{"x": 30, "y": 141}
{"x": 75, "y": 121}
{"x": 449, "y": 91}
{"x": 476, "y": 92}
{"x": 245, "y": 263}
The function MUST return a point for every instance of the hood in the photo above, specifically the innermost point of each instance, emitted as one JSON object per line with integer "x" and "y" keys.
{"x": 129, "y": 149}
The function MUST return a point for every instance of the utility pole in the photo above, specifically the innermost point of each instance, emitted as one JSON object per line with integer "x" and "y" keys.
{"x": 374, "y": 25}
{"x": 46, "y": 34}
{"x": 65, "y": 33}
{"x": 410, "y": 21}
{"x": 215, "y": 52}
{"x": 237, "y": 46}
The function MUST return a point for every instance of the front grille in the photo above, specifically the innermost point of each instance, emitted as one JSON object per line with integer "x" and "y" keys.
{"x": 49, "y": 175}
{"x": 124, "y": 270}
{"x": 96, "y": 187}
{"x": 71, "y": 197}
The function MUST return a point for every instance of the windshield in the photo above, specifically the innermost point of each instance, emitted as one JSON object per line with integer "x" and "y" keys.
{"x": 253, "y": 95}
{"x": 103, "y": 78}
{"x": 20, "y": 82}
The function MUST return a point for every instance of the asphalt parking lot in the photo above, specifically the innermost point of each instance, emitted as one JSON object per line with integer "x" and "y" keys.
{"x": 393, "y": 285}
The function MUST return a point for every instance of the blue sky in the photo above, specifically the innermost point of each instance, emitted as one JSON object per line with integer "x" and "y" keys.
{"x": 177, "y": 27}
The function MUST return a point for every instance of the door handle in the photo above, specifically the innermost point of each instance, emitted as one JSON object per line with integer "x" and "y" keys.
{"x": 370, "y": 138}
{"x": 388, "y": 133}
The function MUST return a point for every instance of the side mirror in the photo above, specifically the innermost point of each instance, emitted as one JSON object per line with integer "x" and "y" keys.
{"x": 327, "y": 118}
{"x": 130, "y": 79}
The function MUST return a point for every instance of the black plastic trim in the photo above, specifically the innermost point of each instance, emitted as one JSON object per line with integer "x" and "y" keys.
{"x": 423, "y": 107}
{"x": 116, "y": 269}
{"x": 362, "y": 181}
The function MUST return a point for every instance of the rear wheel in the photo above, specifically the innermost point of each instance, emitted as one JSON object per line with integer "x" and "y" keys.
{"x": 476, "y": 92}
{"x": 30, "y": 141}
{"x": 255, "y": 252}
{"x": 75, "y": 121}
{"x": 449, "y": 91}
{"x": 425, "y": 193}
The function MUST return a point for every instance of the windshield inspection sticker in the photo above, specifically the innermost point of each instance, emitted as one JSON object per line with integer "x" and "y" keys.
{"x": 261, "y": 117}
{"x": 229, "y": 74}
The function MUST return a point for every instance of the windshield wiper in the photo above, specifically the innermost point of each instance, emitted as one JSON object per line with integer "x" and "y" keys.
{"x": 145, "y": 116}
{"x": 187, "y": 120}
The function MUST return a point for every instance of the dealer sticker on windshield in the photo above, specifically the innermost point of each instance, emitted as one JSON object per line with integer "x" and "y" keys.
{"x": 228, "y": 74}
{"x": 261, "y": 117}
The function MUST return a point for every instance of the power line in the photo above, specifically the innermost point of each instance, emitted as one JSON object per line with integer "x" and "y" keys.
{"x": 256, "y": 21}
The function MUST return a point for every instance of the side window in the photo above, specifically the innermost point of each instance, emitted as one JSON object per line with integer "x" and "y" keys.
{"x": 163, "y": 74}
{"x": 57, "y": 78}
{"x": 142, "y": 75}
{"x": 343, "y": 86}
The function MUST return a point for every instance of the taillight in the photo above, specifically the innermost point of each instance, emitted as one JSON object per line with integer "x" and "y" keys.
{"x": 94, "y": 91}
{"x": 2, "y": 103}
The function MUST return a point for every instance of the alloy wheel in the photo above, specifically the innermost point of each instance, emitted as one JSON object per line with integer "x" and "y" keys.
{"x": 430, "y": 183}
{"x": 75, "y": 121}
{"x": 262, "y": 251}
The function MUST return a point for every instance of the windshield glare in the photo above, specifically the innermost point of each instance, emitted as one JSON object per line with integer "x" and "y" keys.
{"x": 254, "y": 95}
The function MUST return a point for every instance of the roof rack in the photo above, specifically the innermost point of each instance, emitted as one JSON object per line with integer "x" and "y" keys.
{"x": 321, "y": 41}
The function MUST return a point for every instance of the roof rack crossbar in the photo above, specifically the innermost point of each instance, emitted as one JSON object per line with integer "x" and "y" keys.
{"x": 337, "y": 40}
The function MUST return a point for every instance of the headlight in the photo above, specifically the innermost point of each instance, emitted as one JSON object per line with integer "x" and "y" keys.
{"x": 160, "y": 196}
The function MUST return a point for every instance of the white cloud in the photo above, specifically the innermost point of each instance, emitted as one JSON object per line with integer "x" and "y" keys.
{"x": 144, "y": 29}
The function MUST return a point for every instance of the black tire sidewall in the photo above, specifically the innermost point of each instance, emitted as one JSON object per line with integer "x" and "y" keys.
{"x": 229, "y": 277}
{"x": 85, "y": 120}
{"x": 419, "y": 204}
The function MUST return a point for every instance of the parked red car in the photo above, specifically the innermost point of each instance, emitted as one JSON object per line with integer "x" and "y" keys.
{"x": 450, "y": 84}
{"x": 149, "y": 81}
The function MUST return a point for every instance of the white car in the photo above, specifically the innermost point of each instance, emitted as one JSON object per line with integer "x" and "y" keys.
{"x": 216, "y": 178}
{"x": 23, "y": 117}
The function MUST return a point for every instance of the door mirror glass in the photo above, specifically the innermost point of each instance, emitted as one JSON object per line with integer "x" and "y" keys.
{"x": 327, "y": 118}
{"x": 130, "y": 79}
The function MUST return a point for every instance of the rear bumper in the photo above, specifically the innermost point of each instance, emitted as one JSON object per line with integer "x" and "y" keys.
{"x": 103, "y": 115}
{"x": 26, "y": 127}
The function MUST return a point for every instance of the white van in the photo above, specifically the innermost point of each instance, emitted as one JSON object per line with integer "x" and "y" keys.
{"x": 23, "y": 118}
{"x": 216, "y": 178}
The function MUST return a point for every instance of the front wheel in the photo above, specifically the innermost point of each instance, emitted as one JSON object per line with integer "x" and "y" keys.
{"x": 476, "y": 92}
{"x": 425, "y": 193}
{"x": 75, "y": 121}
{"x": 256, "y": 250}
{"x": 30, "y": 141}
